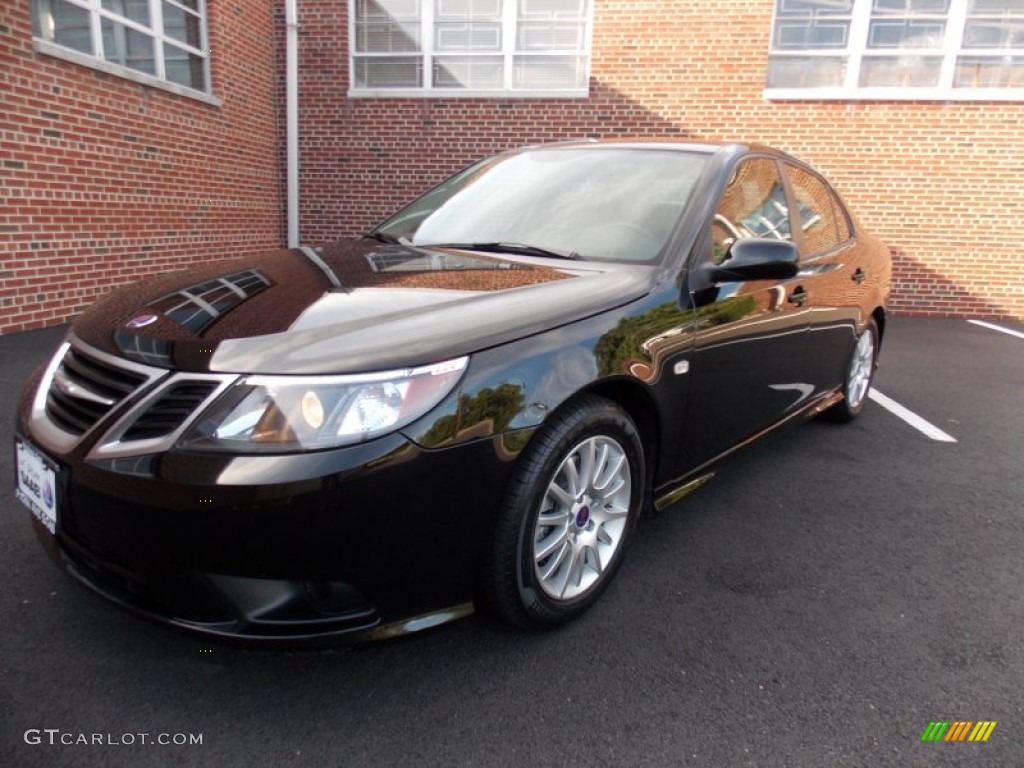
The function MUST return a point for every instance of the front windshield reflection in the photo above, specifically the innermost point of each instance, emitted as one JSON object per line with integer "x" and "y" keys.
{"x": 604, "y": 203}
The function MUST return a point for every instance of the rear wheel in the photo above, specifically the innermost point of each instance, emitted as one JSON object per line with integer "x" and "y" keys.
{"x": 860, "y": 372}
{"x": 570, "y": 509}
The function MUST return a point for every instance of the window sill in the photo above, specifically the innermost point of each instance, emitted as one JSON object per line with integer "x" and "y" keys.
{"x": 85, "y": 60}
{"x": 462, "y": 93}
{"x": 894, "y": 94}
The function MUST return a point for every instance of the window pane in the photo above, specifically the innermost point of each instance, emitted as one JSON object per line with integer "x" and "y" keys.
{"x": 390, "y": 37}
{"x": 389, "y": 72}
{"x": 900, "y": 71}
{"x": 181, "y": 25}
{"x": 813, "y": 7}
{"x": 806, "y": 71}
{"x": 541, "y": 72}
{"x": 994, "y": 34}
{"x": 466, "y": 9}
{"x": 910, "y": 7}
{"x": 811, "y": 34}
{"x": 467, "y": 37}
{"x": 990, "y": 72}
{"x": 550, "y": 36}
{"x": 551, "y": 8}
{"x": 184, "y": 67}
{"x": 136, "y": 10}
{"x": 815, "y": 211}
{"x": 127, "y": 47}
{"x": 68, "y": 25}
{"x": 387, "y": 10}
{"x": 753, "y": 205}
{"x": 906, "y": 34}
{"x": 387, "y": 26}
{"x": 481, "y": 72}
{"x": 1007, "y": 7}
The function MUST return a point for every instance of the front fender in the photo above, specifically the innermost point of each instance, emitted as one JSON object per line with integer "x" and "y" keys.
{"x": 511, "y": 389}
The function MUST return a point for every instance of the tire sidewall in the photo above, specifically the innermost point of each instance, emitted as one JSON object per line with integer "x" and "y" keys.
{"x": 608, "y": 421}
{"x": 852, "y": 411}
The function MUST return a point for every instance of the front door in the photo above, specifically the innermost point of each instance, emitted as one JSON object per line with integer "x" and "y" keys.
{"x": 747, "y": 363}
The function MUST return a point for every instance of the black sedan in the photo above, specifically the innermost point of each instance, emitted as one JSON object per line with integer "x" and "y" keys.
{"x": 470, "y": 406}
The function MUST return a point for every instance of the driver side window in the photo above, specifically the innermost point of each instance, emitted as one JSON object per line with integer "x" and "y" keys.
{"x": 753, "y": 205}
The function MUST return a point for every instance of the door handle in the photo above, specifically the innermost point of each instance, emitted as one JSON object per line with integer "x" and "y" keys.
{"x": 798, "y": 297}
{"x": 859, "y": 276}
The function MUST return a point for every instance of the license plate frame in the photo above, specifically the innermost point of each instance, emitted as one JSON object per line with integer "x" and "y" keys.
{"x": 37, "y": 483}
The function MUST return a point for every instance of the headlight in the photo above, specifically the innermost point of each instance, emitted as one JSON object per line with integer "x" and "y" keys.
{"x": 280, "y": 414}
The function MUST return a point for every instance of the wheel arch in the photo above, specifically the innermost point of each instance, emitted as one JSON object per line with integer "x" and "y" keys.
{"x": 879, "y": 317}
{"x": 638, "y": 403}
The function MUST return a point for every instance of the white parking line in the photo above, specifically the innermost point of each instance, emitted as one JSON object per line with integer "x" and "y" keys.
{"x": 995, "y": 327}
{"x": 922, "y": 425}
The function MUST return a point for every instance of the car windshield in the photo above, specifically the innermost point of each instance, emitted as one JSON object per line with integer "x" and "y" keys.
{"x": 599, "y": 203}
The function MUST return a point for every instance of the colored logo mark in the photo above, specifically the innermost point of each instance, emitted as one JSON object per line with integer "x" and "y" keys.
{"x": 958, "y": 730}
{"x": 141, "y": 321}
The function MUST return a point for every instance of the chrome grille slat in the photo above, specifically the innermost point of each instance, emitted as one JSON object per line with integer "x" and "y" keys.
{"x": 100, "y": 376}
{"x": 69, "y": 417}
{"x": 72, "y": 389}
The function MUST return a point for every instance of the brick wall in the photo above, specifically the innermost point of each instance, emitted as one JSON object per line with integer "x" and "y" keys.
{"x": 934, "y": 179}
{"x": 103, "y": 180}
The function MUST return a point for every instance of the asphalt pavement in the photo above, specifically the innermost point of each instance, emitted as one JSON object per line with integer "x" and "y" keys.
{"x": 829, "y": 594}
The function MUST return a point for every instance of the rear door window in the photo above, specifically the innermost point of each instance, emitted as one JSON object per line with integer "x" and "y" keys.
{"x": 819, "y": 212}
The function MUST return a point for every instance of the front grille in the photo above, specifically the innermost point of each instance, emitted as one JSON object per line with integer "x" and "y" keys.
{"x": 170, "y": 410}
{"x": 84, "y": 390}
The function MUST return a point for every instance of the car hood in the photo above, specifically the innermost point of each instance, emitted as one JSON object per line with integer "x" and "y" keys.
{"x": 350, "y": 307}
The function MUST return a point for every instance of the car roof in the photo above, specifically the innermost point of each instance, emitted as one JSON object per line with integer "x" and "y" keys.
{"x": 660, "y": 144}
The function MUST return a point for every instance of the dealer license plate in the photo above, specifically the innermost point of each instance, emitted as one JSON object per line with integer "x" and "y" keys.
{"x": 37, "y": 483}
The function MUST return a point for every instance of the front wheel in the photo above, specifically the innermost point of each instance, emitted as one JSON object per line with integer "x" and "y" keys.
{"x": 860, "y": 372}
{"x": 570, "y": 509}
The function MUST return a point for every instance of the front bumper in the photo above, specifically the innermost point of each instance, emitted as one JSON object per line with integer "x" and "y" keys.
{"x": 353, "y": 544}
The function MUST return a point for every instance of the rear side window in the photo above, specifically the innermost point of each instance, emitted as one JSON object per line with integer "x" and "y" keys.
{"x": 820, "y": 213}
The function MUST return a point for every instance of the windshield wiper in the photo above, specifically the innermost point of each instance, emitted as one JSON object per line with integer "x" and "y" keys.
{"x": 381, "y": 237}
{"x": 519, "y": 248}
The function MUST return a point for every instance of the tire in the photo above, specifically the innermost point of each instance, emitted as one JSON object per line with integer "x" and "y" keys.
{"x": 567, "y": 516}
{"x": 860, "y": 373}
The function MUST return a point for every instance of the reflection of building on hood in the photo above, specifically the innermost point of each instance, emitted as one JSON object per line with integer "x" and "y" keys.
{"x": 237, "y": 303}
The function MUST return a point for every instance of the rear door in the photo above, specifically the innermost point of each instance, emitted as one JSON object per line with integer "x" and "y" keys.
{"x": 831, "y": 274}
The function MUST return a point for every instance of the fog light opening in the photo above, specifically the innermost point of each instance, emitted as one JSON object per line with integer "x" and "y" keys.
{"x": 333, "y": 597}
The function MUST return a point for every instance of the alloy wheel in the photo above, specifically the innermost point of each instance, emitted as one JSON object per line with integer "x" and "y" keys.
{"x": 859, "y": 377}
{"x": 582, "y": 518}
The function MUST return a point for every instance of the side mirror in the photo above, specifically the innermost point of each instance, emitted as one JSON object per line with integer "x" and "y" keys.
{"x": 756, "y": 259}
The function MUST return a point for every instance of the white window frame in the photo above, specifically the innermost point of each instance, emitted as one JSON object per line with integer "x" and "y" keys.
{"x": 856, "y": 49}
{"x": 97, "y": 61}
{"x": 508, "y": 52}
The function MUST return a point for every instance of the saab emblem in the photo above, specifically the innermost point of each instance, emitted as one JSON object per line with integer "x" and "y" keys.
{"x": 141, "y": 321}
